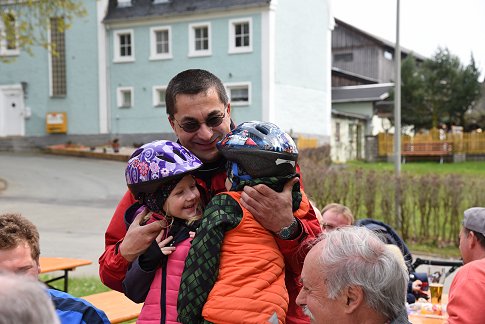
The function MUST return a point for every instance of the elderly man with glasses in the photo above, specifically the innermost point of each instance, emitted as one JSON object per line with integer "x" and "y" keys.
{"x": 199, "y": 112}
{"x": 467, "y": 291}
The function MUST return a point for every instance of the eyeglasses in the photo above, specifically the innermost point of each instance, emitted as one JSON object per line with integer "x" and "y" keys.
{"x": 191, "y": 126}
{"x": 328, "y": 227}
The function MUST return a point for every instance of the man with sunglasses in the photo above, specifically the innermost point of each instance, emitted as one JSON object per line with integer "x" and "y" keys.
{"x": 199, "y": 111}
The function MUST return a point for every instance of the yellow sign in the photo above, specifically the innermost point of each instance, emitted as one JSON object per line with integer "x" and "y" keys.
{"x": 56, "y": 122}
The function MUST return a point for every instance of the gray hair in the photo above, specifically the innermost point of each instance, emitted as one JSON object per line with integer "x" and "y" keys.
{"x": 355, "y": 256}
{"x": 24, "y": 300}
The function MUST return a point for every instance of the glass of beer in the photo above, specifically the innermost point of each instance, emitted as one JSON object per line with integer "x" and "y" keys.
{"x": 436, "y": 290}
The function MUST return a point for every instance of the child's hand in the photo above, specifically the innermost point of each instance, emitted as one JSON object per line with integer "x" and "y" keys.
{"x": 191, "y": 234}
{"x": 138, "y": 238}
{"x": 160, "y": 235}
{"x": 166, "y": 250}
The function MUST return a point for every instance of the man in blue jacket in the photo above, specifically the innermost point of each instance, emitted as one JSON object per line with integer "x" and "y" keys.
{"x": 19, "y": 253}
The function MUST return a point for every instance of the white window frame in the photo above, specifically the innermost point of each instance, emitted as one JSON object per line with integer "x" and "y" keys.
{"x": 192, "y": 50}
{"x": 124, "y": 3}
{"x": 233, "y": 49}
{"x": 117, "y": 53}
{"x": 239, "y": 85}
{"x": 119, "y": 96}
{"x": 153, "y": 43}
{"x": 4, "y": 51}
{"x": 157, "y": 101}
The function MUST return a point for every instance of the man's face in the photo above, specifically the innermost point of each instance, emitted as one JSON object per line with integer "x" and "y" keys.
{"x": 199, "y": 108}
{"x": 19, "y": 260}
{"x": 331, "y": 220}
{"x": 313, "y": 296}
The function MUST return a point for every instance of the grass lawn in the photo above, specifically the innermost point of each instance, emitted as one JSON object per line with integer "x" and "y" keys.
{"x": 473, "y": 168}
{"x": 79, "y": 286}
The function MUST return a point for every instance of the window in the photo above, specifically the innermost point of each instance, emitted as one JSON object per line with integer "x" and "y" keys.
{"x": 160, "y": 43}
{"x": 124, "y": 46}
{"x": 388, "y": 55}
{"x": 159, "y": 96}
{"x": 8, "y": 36}
{"x": 199, "y": 38}
{"x": 239, "y": 93}
{"x": 124, "y": 97}
{"x": 343, "y": 57}
{"x": 337, "y": 132}
{"x": 124, "y": 3}
{"x": 58, "y": 58}
{"x": 240, "y": 32}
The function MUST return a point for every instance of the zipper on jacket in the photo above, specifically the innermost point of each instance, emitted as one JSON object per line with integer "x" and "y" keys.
{"x": 163, "y": 290}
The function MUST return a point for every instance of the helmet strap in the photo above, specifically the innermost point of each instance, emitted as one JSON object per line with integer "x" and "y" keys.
{"x": 235, "y": 177}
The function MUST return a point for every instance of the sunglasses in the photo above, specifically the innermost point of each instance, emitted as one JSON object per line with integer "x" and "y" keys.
{"x": 192, "y": 126}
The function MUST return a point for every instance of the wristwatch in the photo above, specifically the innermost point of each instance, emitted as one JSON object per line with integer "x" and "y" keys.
{"x": 285, "y": 233}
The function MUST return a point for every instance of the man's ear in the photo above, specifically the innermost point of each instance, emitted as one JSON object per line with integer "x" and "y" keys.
{"x": 37, "y": 263}
{"x": 354, "y": 297}
{"x": 473, "y": 239}
{"x": 170, "y": 120}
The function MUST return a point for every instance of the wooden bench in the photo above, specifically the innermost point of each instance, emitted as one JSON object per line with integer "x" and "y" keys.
{"x": 116, "y": 305}
{"x": 427, "y": 149}
{"x": 60, "y": 264}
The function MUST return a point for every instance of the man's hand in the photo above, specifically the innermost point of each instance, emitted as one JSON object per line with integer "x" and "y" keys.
{"x": 138, "y": 238}
{"x": 417, "y": 288}
{"x": 273, "y": 210}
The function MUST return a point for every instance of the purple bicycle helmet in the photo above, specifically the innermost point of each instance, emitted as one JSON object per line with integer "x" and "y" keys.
{"x": 157, "y": 163}
{"x": 261, "y": 149}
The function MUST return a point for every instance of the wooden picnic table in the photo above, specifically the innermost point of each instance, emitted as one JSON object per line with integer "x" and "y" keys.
{"x": 430, "y": 318}
{"x": 52, "y": 264}
{"x": 116, "y": 305}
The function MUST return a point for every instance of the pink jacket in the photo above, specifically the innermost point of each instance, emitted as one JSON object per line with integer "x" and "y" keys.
{"x": 161, "y": 302}
{"x": 158, "y": 289}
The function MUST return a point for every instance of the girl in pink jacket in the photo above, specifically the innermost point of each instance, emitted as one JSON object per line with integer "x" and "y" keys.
{"x": 159, "y": 176}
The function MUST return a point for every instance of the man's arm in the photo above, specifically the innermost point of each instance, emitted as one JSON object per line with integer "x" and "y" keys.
{"x": 122, "y": 246}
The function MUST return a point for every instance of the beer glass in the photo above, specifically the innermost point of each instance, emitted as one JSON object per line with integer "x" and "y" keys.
{"x": 436, "y": 290}
{"x": 436, "y": 284}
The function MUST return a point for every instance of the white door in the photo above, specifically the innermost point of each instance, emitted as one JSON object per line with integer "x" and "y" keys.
{"x": 12, "y": 111}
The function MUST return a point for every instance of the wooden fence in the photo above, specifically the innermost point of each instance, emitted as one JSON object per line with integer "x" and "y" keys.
{"x": 461, "y": 143}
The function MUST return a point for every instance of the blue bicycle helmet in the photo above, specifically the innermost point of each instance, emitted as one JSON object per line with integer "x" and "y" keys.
{"x": 259, "y": 149}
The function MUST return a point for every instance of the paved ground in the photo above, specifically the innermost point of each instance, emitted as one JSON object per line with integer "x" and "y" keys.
{"x": 71, "y": 200}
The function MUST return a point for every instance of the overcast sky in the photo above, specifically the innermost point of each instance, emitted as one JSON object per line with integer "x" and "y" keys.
{"x": 425, "y": 24}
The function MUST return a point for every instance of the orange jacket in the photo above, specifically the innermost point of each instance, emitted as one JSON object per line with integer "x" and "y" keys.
{"x": 250, "y": 287}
